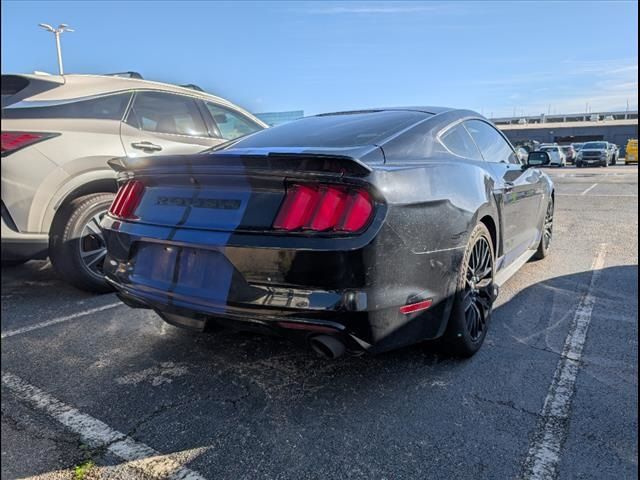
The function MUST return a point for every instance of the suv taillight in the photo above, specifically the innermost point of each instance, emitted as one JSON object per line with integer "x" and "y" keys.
{"x": 127, "y": 200}
{"x": 13, "y": 141}
{"x": 322, "y": 208}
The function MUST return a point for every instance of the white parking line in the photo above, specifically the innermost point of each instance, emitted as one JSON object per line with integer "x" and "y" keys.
{"x": 543, "y": 457}
{"x": 55, "y": 321}
{"x": 596, "y": 195}
{"x": 589, "y": 189}
{"x": 98, "y": 434}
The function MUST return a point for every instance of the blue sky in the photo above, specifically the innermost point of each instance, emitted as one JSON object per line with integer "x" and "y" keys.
{"x": 493, "y": 57}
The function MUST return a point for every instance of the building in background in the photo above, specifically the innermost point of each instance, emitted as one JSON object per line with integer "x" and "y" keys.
{"x": 614, "y": 127}
{"x": 278, "y": 118}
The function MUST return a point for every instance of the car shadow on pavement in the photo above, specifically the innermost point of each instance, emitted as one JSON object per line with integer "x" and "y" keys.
{"x": 236, "y": 392}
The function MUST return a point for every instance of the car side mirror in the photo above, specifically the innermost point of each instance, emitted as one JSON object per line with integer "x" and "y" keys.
{"x": 538, "y": 159}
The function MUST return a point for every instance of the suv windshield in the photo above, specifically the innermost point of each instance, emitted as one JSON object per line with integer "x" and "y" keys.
{"x": 594, "y": 146}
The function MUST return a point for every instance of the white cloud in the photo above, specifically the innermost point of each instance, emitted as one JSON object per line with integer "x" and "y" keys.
{"x": 604, "y": 85}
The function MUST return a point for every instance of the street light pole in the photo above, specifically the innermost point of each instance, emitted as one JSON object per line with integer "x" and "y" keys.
{"x": 57, "y": 34}
{"x": 63, "y": 27}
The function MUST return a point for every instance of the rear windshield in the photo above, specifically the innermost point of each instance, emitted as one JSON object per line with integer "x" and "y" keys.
{"x": 537, "y": 156}
{"x": 17, "y": 87}
{"x": 12, "y": 84}
{"x": 109, "y": 107}
{"x": 594, "y": 146}
{"x": 335, "y": 130}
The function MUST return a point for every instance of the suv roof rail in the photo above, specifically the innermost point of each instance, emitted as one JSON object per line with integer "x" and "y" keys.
{"x": 125, "y": 75}
{"x": 192, "y": 87}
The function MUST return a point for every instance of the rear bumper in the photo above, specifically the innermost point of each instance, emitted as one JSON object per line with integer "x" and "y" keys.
{"x": 22, "y": 246}
{"x": 354, "y": 294}
{"x": 593, "y": 160}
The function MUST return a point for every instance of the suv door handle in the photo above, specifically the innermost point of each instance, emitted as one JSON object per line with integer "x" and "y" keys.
{"x": 147, "y": 146}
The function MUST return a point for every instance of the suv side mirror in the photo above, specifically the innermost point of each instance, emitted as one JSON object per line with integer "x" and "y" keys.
{"x": 538, "y": 159}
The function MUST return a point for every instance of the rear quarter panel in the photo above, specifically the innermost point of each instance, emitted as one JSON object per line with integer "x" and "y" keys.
{"x": 78, "y": 155}
{"x": 431, "y": 210}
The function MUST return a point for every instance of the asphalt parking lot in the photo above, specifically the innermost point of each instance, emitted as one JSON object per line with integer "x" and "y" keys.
{"x": 88, "y": 382}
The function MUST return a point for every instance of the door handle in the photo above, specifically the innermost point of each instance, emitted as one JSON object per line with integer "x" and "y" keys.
{"x": 146, "y": 146}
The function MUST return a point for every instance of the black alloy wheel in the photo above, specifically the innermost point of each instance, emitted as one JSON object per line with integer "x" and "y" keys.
{"x": 478, "y": 289}
{"x": 476, "y": 292}
{"x": 548, "y": 226}
{"x": 547, "y": 232}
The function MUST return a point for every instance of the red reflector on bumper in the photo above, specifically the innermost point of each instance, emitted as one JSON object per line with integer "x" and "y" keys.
{"x": 416, "y": 307}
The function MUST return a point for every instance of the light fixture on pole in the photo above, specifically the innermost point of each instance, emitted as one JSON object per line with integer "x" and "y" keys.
{"x": 63, "y": 27}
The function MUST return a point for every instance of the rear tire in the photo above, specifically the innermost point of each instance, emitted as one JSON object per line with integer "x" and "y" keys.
{"x": 547, "y": 233}
{"x": 474, "y": 297}
{"x": 76, "y": 245}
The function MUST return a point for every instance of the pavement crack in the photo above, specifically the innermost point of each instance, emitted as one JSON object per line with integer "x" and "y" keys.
{"x": 505, "y": 403}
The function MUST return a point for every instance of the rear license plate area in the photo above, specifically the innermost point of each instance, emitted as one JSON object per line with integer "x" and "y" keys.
{"x": 190, "y": 272}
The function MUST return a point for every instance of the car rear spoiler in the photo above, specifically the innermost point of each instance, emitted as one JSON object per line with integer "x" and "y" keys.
{"x": 273, "y": 161}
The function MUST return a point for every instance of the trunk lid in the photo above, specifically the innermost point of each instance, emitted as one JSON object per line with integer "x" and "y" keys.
{"x": 232, "y": 191}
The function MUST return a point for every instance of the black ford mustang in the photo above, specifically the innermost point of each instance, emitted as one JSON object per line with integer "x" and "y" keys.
{"x": 358, "y": 231}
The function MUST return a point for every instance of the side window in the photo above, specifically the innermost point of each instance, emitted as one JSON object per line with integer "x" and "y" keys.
{"x": 109, "y": 107}
{"x": 492, "y": 145}
{"x": 230, "y": 124}
{"x": 166, "y": 113}
{"x": 459, "y": 142}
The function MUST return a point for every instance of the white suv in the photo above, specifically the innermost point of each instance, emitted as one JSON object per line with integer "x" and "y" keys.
{"x": 58, "y": 132}
{"x": 556, "y": 155}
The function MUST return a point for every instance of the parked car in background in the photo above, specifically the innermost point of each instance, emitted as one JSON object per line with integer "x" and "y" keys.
{"x": 569, "y": 153}
{"x": 523, "y": 154}
{"x": 58, "y": 133}
{"x": 631, "y": 151}
{"x": 577, "y": 147}
{"x": 528, "y": 145}
{"x": 557, "y": 156}
{"x": 593, "y": 153}
{"x": 322, "y": 229}
{"x": 613, "y": 153}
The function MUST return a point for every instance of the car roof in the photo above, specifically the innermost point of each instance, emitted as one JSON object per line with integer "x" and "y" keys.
{"x": 73, "y": 86}
{"x": 429, "y": 110}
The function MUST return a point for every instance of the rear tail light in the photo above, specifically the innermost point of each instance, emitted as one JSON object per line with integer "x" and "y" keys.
{"x": 127, "y": 200}
{"x": 321, "y": 208}
{"x": 13, "y": 141}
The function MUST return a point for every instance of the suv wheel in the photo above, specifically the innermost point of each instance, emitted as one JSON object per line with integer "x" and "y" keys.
{"x": 76, "y": 245}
